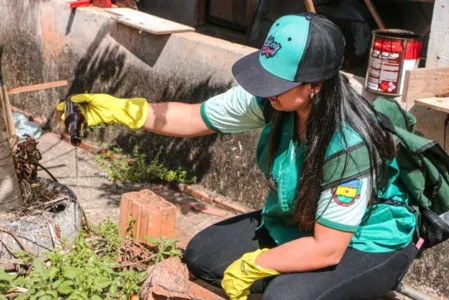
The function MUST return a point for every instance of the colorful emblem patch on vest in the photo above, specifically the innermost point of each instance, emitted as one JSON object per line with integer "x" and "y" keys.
{"x": 270, "y": 47}
{"x": 347, "y": 193}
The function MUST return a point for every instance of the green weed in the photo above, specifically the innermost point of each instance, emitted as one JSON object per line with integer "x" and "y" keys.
{"x": 134, "y": 168}
{"x": 165, "y": 248}
{"x": 85, "y": 270}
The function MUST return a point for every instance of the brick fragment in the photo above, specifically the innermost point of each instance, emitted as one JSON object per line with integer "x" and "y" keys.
{"x": 208, "y": 210}
{"x": 197, "y": 194}
{"x": 169, "y": 280}
{"x": 229, "y": 206}
{"x": 198, "y": 292}
{"x": 154, "y": 216}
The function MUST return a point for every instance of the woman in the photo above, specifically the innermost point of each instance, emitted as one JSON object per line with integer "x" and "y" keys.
{"x": 324, "y": 232}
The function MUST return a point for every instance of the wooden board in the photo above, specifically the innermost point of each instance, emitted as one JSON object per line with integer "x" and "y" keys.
{"x": 147, "y": 22}
{"x": 37, "y": 87}
{"x": 439, "y": 104}
{"x": 425, "y": 83}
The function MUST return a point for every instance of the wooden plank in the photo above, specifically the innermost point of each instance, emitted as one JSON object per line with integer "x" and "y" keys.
{"x": 147, "y": 22}
{"x": 37, "y": 87}
{"x": 425, "y": 83}
{"x": 439, "y": 104}
{"x": 7, "y": 113}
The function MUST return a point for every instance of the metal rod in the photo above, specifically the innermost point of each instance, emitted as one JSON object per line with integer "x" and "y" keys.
{"x": 412, "y": 293}
{"x": 310, "y": 6}
{"x": 375, "y": 15}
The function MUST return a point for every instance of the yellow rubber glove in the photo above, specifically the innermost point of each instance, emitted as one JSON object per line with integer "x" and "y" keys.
{"x": 104, "y": 108}
{"x": 242, "y": 273}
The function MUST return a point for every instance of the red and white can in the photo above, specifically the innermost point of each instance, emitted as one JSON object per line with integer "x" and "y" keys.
{"x": 393, "y": 52}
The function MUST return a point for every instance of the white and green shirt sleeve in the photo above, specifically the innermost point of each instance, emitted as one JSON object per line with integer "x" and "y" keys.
{"x": 233, "y": 111}
{"x": 343, "y": 207}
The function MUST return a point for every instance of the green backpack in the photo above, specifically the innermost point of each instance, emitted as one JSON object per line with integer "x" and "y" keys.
{"x": 424, "y": 170}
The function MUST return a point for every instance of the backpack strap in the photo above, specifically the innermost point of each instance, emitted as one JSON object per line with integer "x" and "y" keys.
{"x": 386, "y": 123}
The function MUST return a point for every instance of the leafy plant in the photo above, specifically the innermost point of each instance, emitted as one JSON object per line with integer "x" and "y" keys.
{"x": 108, "y": 230}
{"x": 94, "y": 130}
{"x": 130, "y": 227}
{"x": 5, "y": 281}
{"x": 85, "y": 270}
{"x": 165, "y": 248}
{"x": 134, "y": 168}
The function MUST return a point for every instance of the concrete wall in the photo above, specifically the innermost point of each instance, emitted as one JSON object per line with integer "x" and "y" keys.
{"x": 45, "y": 41}
{"x": 97, "y": 55}
{"x": 437, "y": 54}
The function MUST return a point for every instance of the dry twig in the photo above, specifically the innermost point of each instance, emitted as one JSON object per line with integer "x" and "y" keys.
{"x": 22, "y": 245}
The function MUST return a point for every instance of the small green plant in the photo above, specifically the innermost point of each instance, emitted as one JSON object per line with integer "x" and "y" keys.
{"x": 108, "y": 230}
{"x": 24, "y": 256}
{"x": 94, "y": 130}
{"x": 130, "y": 227}
{"x": 165, "y": 248}
{"x": 134, "y": 168}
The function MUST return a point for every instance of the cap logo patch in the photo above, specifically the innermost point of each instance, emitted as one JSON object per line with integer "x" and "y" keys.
{"x": 347, "y": 193}
{"x": 270, "y": 47}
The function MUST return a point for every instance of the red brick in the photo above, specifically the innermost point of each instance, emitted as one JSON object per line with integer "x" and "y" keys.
{"x": 154, "y": 215}
{"x": 198, "y": 292}
{"x": 229, "y": 206}
{"x": 207, "y": 210}
{"x": 197, "y": 194}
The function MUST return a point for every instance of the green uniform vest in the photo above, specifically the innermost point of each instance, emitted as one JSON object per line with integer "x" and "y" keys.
{"x": 283, "y": 180}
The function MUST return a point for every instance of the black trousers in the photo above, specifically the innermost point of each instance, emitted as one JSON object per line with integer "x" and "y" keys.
{"x": 359, "y": 275}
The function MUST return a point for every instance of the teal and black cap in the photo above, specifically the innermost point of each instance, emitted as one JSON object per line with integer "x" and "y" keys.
{"x": 299, "y": 49}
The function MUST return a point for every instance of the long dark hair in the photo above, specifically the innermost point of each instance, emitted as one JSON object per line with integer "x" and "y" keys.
{"x": 334, "y": 105}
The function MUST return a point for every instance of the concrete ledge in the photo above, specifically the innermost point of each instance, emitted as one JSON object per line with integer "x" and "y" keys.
{"x": 97, "y": 55}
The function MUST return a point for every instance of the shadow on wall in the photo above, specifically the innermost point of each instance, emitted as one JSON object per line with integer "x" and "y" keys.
{"x": 143, "y": 45}
{"x": 100, "y": 67}
{"x": 109, "y": 67}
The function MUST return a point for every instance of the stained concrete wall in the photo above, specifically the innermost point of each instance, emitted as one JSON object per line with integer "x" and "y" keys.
{"x": 46, "y": 41}
{"x": 97, "y": 55}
